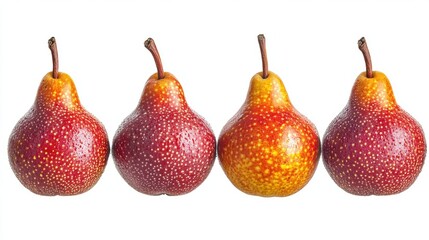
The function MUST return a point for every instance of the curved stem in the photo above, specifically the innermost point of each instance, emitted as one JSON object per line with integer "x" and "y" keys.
{"x": 261, "y": 40}
{"x": 365, "y": 51}
{"x": 54, "y": 51}
{"x": 150, "y": 45}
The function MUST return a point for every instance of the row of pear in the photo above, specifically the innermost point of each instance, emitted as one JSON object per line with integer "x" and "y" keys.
{"x": 373, "y": 147}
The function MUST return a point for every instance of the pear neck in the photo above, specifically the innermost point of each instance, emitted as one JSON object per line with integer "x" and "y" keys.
{"x": 373, "y": 94}
{"x": 57, "y": 93}
{"x": 161, "y": 95}
{"x": 269, "y": 91}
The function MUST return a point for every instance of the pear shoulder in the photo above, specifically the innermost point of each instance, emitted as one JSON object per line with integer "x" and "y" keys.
{"x": 57, "y": 92}
{"x": 268, "y": 91}
{"x": 373, "y": 94}
{"x": 164, "y": 94}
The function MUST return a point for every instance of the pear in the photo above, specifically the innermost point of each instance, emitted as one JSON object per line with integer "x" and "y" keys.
{"x": 58, "y": 148}
{"x": 268, "y": 148}
{"x": 373, "y": 147}
{"x": 163, "y": 146}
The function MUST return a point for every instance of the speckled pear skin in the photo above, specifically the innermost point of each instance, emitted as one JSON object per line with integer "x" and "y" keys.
{"x": 58, "y": 148}
{"x": 374, "y": 147}
{"x": 163, "y": 147}
{"x": 268, "y": 148}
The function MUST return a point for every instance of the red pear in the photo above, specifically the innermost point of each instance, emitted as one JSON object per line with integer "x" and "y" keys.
{"x": 163, "y": 146}
{"x": 373, "y": 147}
{"x": 58, "y": 148}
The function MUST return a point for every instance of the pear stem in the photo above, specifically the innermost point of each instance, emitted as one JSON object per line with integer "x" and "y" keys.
{"x": 261, "y": 40}
{"x": 365, "y": 51}
{"x": 54, "y": 51}
{"x": 150, "y": 45}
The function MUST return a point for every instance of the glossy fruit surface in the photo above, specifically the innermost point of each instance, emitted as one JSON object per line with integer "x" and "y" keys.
{"x": 373, "y": 147}
{"x": 268, "y": 148}
{"x": 58, "y": 148}
{"x": 164, "y": 147}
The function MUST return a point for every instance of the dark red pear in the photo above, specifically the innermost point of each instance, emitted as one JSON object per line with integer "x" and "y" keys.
{"x": 58, "y": 148}
{"x": 373, "y": 147}
{"x": 163, "y": 146}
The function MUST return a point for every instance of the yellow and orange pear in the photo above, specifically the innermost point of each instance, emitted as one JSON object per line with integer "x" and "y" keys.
{"x": 268, "y": 148}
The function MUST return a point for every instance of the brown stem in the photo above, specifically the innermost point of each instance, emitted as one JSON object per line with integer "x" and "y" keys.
{"x": 261, "y": 40}
{"x": 54, "y": 51}
{"x": 150, "y": 45}
{"x": 364, "y": 49}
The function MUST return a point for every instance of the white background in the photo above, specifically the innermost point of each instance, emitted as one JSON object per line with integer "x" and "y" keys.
{"x": 212, "y": 48}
